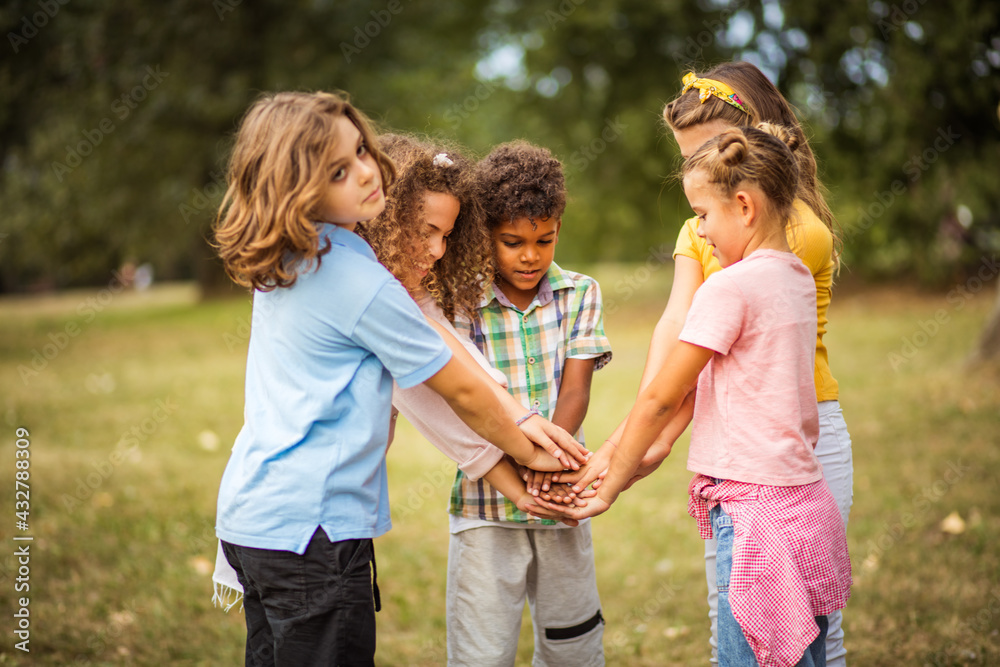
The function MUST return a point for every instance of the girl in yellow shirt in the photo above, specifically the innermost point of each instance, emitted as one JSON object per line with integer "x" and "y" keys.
{"x": 733, "y": 95}
{"x": 736, "y": 94}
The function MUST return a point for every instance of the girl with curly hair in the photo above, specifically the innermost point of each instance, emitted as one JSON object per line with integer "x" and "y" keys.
{"x": 432, "y": 237}
{"x": 430, "y": 209}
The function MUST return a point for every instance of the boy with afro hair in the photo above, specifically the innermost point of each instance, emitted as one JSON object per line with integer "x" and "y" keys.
{"x": 542, "y": 326}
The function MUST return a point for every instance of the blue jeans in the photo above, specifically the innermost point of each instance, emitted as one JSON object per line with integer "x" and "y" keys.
{"x": 833, "y": 451}
{"x": 313, "y": 609}
{"x": 734, "y": 649}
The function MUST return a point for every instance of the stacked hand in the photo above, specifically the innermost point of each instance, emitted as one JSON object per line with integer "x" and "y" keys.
{"x": 585, "y": 482}
{"x": 540, "y": 485}
{"x": 565, "y": 493}
{"x": 555, "y": 448}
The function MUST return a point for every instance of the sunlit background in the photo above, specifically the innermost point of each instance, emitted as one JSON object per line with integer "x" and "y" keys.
{"x": 125, "y": 364}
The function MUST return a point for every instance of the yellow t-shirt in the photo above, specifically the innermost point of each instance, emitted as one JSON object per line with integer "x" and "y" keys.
{"x": 812, "y": 241}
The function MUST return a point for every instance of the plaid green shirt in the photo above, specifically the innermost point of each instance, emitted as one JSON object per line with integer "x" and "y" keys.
{"x": 530, "y": 347}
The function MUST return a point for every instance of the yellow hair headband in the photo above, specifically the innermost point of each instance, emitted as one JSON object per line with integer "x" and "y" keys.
{"x": 708, "y": 87}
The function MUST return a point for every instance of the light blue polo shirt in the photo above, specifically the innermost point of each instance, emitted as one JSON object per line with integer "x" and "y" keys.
{"x": 323, "y": 354}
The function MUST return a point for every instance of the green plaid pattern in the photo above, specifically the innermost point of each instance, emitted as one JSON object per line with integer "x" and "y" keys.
{"x": 530, "y": 347}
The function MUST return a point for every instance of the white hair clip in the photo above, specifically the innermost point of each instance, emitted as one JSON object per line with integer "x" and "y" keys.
{"x": 442, "y": 160}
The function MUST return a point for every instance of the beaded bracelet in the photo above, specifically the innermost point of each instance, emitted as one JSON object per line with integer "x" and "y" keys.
{"x": 534, "y": 411}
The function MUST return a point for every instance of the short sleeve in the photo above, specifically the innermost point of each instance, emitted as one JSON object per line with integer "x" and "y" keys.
{"x": 687, "y": 240}
{"x": 690, "y": 245}
{"x": 394, "y": 330}
{"x": 587, "y": 338}
{"x": 715, "y": 319}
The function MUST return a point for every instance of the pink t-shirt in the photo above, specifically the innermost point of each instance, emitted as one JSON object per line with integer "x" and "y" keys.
{"x": 755, "y": 417}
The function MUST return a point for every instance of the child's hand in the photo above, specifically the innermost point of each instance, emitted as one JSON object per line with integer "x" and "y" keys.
{"x": 542, "y": 460}
{"x": 586, "y": 475}
{"x": 555, "y": 440}
{"x": 593, "y": 507}
{"x": 537, "y": 482}
{"x": 559, "y": 493}
{"x": 529, "y": 504}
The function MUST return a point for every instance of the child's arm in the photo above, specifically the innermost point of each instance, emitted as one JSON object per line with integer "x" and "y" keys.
{"x": 664, "y": 443}
{"x": 574, "y": 394}
{"x": 594, "y": 470}
{"x": 571, "y": 408}
{"x": 539, "y": 430}
{"x": 473, "y": 400}
{"x": 688, "y": 277}
{"x": 658, "y": 404}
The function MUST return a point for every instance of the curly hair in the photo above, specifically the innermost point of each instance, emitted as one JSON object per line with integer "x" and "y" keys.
{"x": 520, "y": 180}
{"x": 456, "y": 281}
{"x": 277, "y": 177}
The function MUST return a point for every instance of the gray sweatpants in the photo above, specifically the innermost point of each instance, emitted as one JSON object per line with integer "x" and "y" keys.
{"x": 490, "y": 572}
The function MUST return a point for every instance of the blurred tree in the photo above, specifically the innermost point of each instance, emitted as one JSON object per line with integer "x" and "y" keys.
{"x": 899, "y": 98}
{"x": 116, "y": 117}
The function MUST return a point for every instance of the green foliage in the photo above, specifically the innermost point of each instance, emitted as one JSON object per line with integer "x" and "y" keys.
{"x": 116, "y": 118}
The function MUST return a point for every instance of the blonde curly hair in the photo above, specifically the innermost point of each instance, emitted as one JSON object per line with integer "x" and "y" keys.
{"x": 456, "y": 281}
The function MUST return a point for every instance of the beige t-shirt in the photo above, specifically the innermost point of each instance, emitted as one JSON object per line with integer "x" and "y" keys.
{"x": 434, "y": 418}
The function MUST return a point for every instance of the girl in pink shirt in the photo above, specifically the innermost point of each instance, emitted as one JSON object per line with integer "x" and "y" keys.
{"x": 747, "y": 352}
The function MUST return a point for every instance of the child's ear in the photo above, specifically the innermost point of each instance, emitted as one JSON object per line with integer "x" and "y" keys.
{"x": 558, "y": 227}
{"x": 747, "y": 206}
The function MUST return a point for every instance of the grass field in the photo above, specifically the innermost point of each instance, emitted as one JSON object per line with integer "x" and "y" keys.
{"x": 132, "y": 400}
